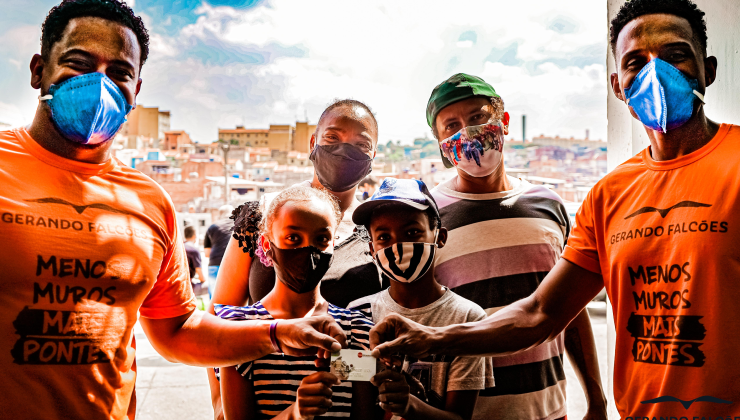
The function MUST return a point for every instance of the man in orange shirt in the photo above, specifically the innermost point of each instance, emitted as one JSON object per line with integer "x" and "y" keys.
{"x": 660, "y": 232}
{"x": 96, "y": 244}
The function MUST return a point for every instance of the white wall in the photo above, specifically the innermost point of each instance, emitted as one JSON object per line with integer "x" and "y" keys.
{"x": 626, "y": 136}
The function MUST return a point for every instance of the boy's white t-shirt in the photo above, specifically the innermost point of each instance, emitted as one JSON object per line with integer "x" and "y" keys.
{"x": 437, "y": 374}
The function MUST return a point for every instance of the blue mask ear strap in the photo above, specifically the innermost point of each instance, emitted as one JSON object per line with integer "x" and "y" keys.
{"x": 700, "y": 96}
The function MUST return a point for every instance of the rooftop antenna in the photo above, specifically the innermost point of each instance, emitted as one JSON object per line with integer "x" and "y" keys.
{"x": 524, "y": 128}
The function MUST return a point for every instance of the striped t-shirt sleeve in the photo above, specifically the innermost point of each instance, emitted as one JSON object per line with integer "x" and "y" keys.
{"x": 242, "y": 313}
{"x": 355, "y": 324}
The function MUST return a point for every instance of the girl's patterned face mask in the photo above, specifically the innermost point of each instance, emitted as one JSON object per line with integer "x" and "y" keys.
{"x": 473, "y": 142}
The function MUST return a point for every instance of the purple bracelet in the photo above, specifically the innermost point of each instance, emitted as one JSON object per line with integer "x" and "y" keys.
{"x": 273, "y": 338}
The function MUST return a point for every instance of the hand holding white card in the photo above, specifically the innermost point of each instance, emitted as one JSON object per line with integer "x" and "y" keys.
{"x": 353, "y": 365}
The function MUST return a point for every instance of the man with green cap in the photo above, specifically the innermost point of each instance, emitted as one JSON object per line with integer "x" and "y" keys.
{"x": 505, "y": 235}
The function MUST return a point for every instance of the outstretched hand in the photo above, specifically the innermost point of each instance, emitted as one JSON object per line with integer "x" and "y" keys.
{"x": 396, "y": 334}
{"x": 315, "y": 335}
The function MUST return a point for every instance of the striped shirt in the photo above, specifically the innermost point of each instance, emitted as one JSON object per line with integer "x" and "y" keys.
{"x": 276, "y": 377}
{"x": 500, "y": 247}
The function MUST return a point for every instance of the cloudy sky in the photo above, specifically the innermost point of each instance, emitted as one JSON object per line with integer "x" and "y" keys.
{"x": 222, "y": 63}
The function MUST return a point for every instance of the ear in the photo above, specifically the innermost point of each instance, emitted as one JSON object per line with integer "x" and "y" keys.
{"x": 264, "y": 243}
{"x": 313, "y": 142}
{"x": 138, "y": 88}
{"x": 506, "y": 123}
{"x": 37, "y": 71}
{"x": 372, "y": 249}
{"x": 710, "y": 70}
{"x": 442, "y": 237}
{"x": 615, "y": 86}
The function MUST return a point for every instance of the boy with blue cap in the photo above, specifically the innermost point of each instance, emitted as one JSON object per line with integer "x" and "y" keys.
{"x": 405, "y": 230}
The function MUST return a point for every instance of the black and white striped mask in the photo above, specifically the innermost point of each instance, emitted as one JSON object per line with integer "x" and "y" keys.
{"x": 406, "y": 261}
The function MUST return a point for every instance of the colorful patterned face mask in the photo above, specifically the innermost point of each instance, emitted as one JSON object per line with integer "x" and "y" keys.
{"x": 477, "y": 149}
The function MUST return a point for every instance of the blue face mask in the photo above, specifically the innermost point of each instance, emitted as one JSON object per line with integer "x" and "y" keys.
{"x": 662, "y": 96}
{"x": 88, "y": 108}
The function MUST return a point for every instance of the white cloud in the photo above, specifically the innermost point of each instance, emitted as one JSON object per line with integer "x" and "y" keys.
{"x": 13, "y": 115}
{"x": 17, "y": 46}
{"x": 275, "y": 62}
{"x": 390, "y": 55}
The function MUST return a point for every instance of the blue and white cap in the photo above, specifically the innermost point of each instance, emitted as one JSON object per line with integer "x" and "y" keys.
{"x": 410, "y": 192}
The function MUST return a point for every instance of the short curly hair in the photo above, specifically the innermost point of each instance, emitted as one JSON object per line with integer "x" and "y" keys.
{"x": 686, "y": 9}
{"x": 112, "y": 10}
{"x": 349, "y": 103}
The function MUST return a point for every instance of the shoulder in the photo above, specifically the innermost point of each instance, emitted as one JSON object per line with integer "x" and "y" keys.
{"x": 141, "y": 181}
{"x": 349, "y": 317}
{"x": 365, "y": 304}
{"x": 624, "y": 173}
{"x": 464, "y": 308}
{"x": 9, "y": 139}
{"x": 442, "y": 194}
{"x": 149, "y": 192}
{"x": 355, "y": 324}
{"x": 242, "y": 313}
{"x": 531, "y": 190}
{"x": 10, "y": 147}
{"x": 734, "y": 131}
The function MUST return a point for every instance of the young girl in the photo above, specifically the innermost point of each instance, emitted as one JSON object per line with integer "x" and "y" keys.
{"x": 296, "y": 231}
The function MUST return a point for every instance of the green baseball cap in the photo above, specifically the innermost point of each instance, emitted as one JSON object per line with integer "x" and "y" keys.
{"x": 456, "y": 88}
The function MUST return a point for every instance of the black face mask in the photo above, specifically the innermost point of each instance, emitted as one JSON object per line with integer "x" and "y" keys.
{"x": 301, "y": 269}
{"x": 340, "y": 167}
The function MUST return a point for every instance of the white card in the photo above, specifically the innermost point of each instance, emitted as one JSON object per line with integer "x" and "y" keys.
{"x": 353, "y": 365}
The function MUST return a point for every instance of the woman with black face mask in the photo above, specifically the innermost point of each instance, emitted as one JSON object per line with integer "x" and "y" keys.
{"x": 342, "y": 150}
{"x": 296, "y": 238}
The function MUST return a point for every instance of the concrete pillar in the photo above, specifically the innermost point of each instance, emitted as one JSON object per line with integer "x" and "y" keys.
{"x": 626, "y": 136}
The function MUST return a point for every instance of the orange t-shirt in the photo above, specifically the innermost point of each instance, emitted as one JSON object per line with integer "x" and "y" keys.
{"x": 664, "y": 236}
{"x": 85, "y": 248}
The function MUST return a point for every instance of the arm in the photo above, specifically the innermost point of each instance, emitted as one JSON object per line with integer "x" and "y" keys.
{"x": 238, "y": 395}
{"x": 395, "y": 396}
{"x": 199, "y": 272}
{"x": 207, "y": 242}
{"x": 520, "y": 326}
{"x": 215, "y": 386}
{"x": 201, "y": 339}
{"x": 233, "y": 289}
{"x": 581, "y": 349}
{"x": 461, "y": 403}
{"x": 233, "y": 277}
